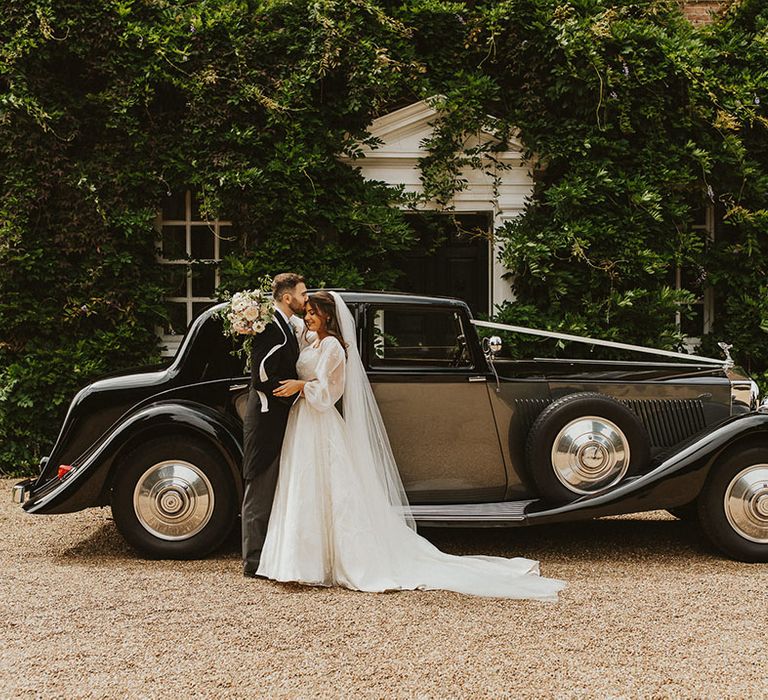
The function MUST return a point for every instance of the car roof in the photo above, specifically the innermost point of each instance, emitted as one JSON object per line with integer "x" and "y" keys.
{"x": 365, "y": 296}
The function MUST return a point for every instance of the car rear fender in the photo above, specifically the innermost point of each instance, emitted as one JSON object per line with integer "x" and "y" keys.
{"x": 89, "y": 482}
{"x": 677, "y": 480}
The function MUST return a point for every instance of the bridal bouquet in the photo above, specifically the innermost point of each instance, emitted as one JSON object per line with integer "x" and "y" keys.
{"x": 246, "y": 314}
{"x": 249, "y": 312}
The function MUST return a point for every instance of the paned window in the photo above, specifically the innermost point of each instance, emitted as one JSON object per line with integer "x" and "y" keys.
{"x": 190, "y": 249}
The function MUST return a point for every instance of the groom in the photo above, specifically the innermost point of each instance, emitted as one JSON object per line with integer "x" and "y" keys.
{"x": 273, "y": 357}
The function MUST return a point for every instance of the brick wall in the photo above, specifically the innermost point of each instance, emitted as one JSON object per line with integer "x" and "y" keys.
{"x": 700, "y": 11}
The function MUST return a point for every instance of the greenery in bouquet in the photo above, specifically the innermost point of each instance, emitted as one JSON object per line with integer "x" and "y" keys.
{"x": 246, "y": 314}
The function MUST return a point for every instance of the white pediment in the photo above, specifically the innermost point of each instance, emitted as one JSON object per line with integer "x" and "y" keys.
{"x": 404, "y": 132}
{"x": 500, "y": 191}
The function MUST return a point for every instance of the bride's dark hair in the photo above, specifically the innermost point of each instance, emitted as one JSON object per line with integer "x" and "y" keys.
{"x": 324, "y": 305}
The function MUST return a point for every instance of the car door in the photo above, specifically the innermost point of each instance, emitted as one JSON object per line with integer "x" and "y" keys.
{"x": 430, "y": 385}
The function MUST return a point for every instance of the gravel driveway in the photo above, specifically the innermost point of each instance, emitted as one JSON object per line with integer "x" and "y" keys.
{"x": 650, "y": 611}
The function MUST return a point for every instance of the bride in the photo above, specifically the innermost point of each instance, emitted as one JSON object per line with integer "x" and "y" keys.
{"x": 340, "y": 515}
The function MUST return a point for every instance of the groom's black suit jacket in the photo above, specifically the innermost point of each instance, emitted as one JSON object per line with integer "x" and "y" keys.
{"x": 273, "y": 357}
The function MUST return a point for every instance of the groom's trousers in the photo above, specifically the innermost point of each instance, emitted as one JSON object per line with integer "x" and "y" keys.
{"x": 263, "y": 436}
{"x": 257, "y": 505}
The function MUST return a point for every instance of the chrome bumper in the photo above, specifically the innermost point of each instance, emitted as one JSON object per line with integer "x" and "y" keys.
{"x": 22, "y": 491}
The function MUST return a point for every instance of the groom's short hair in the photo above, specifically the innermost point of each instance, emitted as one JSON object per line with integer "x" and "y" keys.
{"x": 285, "y": 282}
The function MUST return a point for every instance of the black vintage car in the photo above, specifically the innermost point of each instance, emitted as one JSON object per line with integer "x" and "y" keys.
{"x": 478, "y": 440}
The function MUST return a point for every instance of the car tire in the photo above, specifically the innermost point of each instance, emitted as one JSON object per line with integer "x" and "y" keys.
{"x": 584, "y": 444}
{"x": 688, "y": 512}
{"x": 174, "y": 498}
{"x": 733, "y": 505}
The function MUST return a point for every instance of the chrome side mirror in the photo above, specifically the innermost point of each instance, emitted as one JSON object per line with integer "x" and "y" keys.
{"x": 491, "y": 346}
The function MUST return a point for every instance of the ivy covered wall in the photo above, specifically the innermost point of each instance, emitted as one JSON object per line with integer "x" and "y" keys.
{"x": 631, "y": 117}
{"x": 655, "y": 120}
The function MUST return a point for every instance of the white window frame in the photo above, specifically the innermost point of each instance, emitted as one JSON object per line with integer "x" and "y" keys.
{"x": 707, "y": 300}
{"x": 172, "y": 341}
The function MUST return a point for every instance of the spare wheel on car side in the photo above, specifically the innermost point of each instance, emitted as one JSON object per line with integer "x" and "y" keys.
{"x": 584, "y": 444}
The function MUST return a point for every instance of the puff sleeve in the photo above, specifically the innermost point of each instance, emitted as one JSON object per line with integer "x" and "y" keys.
{"x": 326, "y": 389}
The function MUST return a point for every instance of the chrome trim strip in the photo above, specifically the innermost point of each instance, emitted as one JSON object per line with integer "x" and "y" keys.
{"x": 471, "y": 512}
{"x": 595, "y": 341}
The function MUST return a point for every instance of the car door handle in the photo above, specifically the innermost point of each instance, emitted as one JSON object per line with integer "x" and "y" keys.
{"x": 237, "y": 387}
{"x": 478, "y": 379}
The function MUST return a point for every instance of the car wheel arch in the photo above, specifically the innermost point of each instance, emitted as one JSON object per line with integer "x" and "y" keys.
{"x": 172, "y": 423}
{"x": 740, "y": 444}
{"x": 724, "y": 452}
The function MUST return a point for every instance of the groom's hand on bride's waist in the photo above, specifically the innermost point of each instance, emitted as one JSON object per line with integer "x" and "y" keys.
{"x": 289, "y": 387}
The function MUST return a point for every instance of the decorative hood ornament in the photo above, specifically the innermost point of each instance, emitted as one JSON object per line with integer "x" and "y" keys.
{"x": 725, "y": 347}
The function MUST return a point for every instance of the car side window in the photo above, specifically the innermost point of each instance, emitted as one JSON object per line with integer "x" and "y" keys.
{"x": 210, "y": 357}
{"x": 415, "y": 337}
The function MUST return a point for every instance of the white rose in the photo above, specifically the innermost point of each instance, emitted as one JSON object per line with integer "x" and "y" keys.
{"x": 251, "y": 313}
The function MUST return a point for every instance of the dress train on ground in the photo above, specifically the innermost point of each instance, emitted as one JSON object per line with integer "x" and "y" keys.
{"x": 332, "y": 522}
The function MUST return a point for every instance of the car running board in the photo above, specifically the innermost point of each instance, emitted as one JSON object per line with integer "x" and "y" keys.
{"x": 471, "y": 513}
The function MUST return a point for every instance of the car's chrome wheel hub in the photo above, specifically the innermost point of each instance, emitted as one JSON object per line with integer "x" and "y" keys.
{"x": 590, "y": 454}
{"x": 173, "y": 500}
{"x": 746, "y": 503}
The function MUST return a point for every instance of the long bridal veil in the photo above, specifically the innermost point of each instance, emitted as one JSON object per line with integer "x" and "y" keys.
{"x": 369, "y": 443}
{"x": 341, "y": 515}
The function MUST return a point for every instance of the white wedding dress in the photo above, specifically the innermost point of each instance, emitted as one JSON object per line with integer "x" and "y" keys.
{"x": 335, "y": 520}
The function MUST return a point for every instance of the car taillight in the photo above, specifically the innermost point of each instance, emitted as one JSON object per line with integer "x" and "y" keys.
{"x": 64, "y": 469}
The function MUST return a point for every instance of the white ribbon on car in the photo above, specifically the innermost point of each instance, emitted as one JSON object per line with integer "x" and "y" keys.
{"x": 595, "y": 341}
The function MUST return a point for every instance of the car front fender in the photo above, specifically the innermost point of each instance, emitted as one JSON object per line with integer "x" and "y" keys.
{"x": 677, "y": 480}
{"x": 88, "y": 483}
